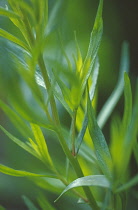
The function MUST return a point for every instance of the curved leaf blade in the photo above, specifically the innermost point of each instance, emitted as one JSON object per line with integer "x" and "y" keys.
{"x": 92, "y": 180}
{"x": 12, "y": 172}
{"x": 114, "y": 97}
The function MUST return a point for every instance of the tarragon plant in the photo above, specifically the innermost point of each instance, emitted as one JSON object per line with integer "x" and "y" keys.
{"x": 96, "y": 172}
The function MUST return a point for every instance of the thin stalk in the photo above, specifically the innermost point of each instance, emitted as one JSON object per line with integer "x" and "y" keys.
{"x": 73, "y": 124}
{"x": 66, "y": 184}
{"x": 78, "y": 170}
{"x": 64, "y": 146}
{"x": 48, "y": 87}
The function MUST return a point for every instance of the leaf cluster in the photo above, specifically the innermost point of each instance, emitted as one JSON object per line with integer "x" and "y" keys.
{"x": 91, "y": 163}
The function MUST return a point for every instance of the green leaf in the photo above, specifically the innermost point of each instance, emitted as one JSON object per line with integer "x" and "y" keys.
{"x": 14, "y": 39}
{"x": 19, "y": 142}
{"x": 92, "y": 180}
{"x": 129, "y": 184}
{"x": 16, "y": 120}
{"x": 94, "y": 44}
{"x": 12, "y": 172}
{"x": 29, "y": 203}
{"x": 54, "y": 16}
{"x": 92, "y": 92}
{"x": 131, "y": 134}
{"x": 114, "y": 97}
{"x": 8, "y": 13}
{"x": 100, "y": 145}
{"x": 42, "y": 146}
{"x": 128, "y": 103}
{"x": 2, "y": 208}
{"x": 62, "y": 101}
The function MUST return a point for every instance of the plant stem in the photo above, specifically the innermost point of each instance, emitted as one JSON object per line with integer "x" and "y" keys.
{"x": 48, "y": 86}
{"x": 65, "y": 148}
{"x": 77, "y": 169}
{"x": 73, "y": 123}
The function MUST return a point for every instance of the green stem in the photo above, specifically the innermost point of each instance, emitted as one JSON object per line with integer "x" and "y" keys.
{"x": 73, "y": 123}
{"x": 64, "y": 146}
{"x": 48, "y": 87}
{"x": 77, "y": 169}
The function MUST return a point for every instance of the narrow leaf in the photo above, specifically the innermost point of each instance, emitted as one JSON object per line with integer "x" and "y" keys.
{"x": 19, "y": 142}
{"x": 94, "y": 44}
{"x": 100, "y": 145}
{"x": 114, "y": 97}
{"x": 29, "y": 203}
{"x": 16, "y": 120}
{"x": 129, "y": 184}
{"x": 14, "y": 39}
{"x": 131, "y": 134}
{"x": 92, "y": 92}
{"x": 12, "y": 172}
{"x": 92, "y": 180}
{"x": 40, "y": 140}
{"x": 128, "y": 103}
{"x": 8, "y": 13}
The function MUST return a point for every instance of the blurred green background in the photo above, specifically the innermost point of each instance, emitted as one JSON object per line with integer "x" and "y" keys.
{"x": 120, "y": 23}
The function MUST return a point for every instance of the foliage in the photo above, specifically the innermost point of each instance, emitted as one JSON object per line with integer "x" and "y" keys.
{"x": 95, "y": 170}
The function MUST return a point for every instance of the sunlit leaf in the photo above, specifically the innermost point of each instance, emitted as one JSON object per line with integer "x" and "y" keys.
{"x": 12, "y": 172}
{"x": 14, "y": 39}
{"x": 95, "y": 40}
{"x": 8, "y": 13}
{"x": 92, "y": 92}
{"x": 92, "y": 180}
{"x": 41, "y": 143}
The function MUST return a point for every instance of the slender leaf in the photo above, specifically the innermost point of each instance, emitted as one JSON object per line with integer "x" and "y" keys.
{"x": 92, "y": 180}
{"x": 128, "y": 103}
{"x": 131, "y": 134}
{"x": 16, "y": 120}
{"x": 129, "y": 184}
{"x": 114, "y": 97}
{"x": 95, "y": 40}
{"x": 8, "y": 13}
{"x": 14, "y": 39}
{"x": 40, "y": 140}
{"x": 12, "y": 172}
{"x": 29, "y": 203}
{"x": 19, "y": 142}
{"x": 100, "y": 145}
{"x": 53, "y": 17}
{"x": 92, "y": 92}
